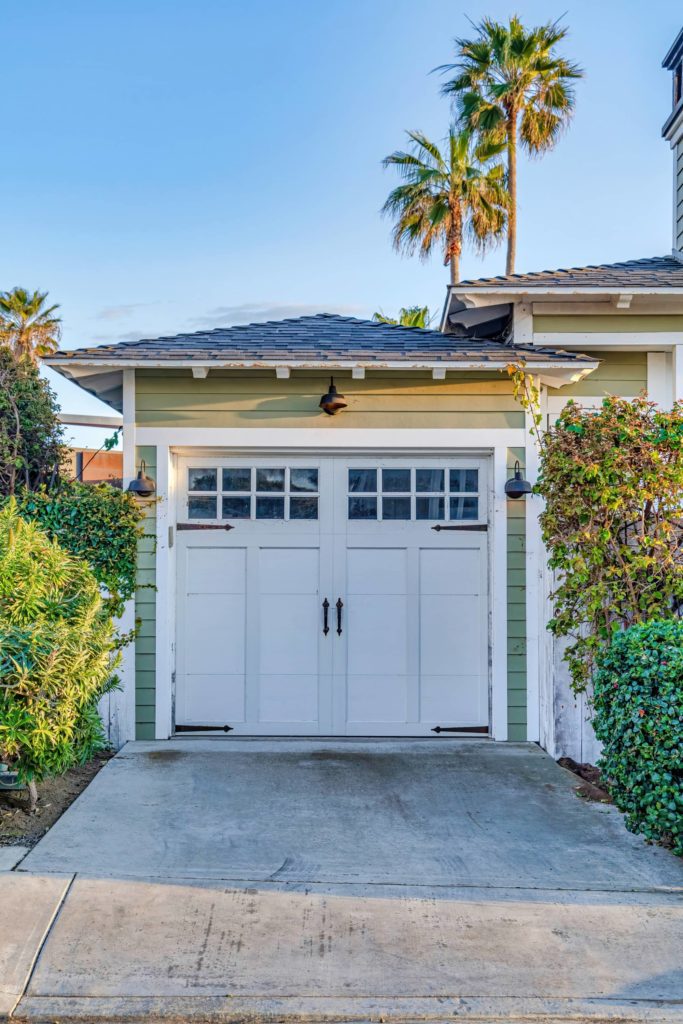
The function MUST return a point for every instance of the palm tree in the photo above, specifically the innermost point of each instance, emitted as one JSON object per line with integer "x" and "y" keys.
{"x": 446, "y": 195}
{"x": 27, "y": 326}
{"x": 408, "y": 316}
{"x": 511, "y": 84}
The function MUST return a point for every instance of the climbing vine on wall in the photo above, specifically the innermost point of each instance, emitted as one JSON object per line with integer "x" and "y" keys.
{"x": 612, "y": 483}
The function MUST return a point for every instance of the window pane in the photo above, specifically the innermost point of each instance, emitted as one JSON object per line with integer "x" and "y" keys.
{"x": 362, "y": 480}
{"x": 201, "y": 508}
{"x": 428, "y": 480}
{"x": 396, "y": 508}
{"x": 429, "y": 508}
{"x": 464, "y": 508}
{"x": 303, "y": 480}
{"x": 303, "y": 508}
{"x": 464, "y": 480}
{"x": 201, "y": 479}
{"x": 270, "y": 508}
{"x": 237, "y": 479}
{"x": 237, "y": 508}
{"x": 362, "y": 508}
{"x": 270, "y": 480}
{"x": 396, "y": 480}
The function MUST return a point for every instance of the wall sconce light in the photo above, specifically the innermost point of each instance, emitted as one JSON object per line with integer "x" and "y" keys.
{"x": 143, "y": 486}
{"x": 332, "y": 402}
{"x": 517, "y": 486}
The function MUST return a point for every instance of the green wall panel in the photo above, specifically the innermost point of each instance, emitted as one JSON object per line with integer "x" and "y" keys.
{"x": 516, "y": 608}
{"x": 145, "y": 613}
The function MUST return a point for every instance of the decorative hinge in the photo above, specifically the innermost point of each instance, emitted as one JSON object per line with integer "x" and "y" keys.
{"x": 461, "y": 728}
{"x": 203, "y": 728}
{"x": 205, "y": 526}
{"x": 470, "y": 527}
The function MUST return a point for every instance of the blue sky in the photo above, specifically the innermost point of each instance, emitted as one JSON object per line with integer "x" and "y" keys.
{"x": 173, "y": 165}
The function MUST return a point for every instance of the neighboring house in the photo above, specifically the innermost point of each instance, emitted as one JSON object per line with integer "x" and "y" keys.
{"x": 94, "y": 466}
{"x": 364, "y": 573}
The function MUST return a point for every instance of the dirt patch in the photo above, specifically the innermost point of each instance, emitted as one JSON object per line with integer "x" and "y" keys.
{"x": 592, "y": 787}
{"x": 18, "y": 827}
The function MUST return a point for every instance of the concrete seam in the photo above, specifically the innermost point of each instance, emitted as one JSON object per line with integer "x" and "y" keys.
{"x": 41, "y": 944}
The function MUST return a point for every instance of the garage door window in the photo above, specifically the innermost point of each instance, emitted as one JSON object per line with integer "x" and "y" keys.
{"x": 250, "y": 492}
{"x": 407, "y": 493}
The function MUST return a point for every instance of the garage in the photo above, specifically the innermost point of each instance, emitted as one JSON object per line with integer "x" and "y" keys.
{"x": 332, "y": 595}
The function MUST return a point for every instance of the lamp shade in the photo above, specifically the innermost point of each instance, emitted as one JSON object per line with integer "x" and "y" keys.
{"x": 332, "y": 402}
{"x": 517, "y": 486}
{"x": 143, "y": 486}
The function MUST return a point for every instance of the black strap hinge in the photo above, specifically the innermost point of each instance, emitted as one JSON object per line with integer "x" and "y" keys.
{"x": 203, "y": 728}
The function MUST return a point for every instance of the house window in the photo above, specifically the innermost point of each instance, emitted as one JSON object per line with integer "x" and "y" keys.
{"x": 409, "y": 493}
{"x": 252, "y": 492}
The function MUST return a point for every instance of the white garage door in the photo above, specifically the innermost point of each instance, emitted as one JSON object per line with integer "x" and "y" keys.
{"x": 330, "y": 596}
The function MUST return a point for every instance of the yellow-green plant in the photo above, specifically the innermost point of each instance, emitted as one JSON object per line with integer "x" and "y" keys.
{"x": 57, "y": 653}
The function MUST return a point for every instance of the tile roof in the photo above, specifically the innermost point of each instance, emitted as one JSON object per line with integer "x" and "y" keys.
{"x": 318, "y": 339}
{"x": 655, "y": 272}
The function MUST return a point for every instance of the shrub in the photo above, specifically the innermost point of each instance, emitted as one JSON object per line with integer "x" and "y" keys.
{"x": 31, "y": 448}
{"x": 97, "y": 522}
{"x": 638, "y": 700}
{"x": 57, "y": 653}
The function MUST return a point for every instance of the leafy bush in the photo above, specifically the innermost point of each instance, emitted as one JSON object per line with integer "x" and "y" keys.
{"x": 31, "y": 448}
{"x": 97, "y": 522}
{"x": 57, "y": 653}
{"x": 612, "y": 481}
{"x": 638, "y": 700}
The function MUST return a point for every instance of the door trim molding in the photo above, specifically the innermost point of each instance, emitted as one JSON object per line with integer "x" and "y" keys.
{"x": 444, "y": 443}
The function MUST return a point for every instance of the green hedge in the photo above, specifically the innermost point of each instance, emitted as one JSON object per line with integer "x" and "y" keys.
{"x": 639, "y": 719}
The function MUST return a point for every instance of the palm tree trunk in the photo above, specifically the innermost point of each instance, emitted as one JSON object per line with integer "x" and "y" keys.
{"x": 512, "y": 189}
{"x": 455, "y": 267}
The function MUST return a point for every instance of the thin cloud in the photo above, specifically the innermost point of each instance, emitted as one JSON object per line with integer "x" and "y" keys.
{"x": 121, "y": 312}
{"x": 255, "y": 312}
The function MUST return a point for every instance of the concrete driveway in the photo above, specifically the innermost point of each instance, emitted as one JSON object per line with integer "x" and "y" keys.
{"x": 347, "y": 880}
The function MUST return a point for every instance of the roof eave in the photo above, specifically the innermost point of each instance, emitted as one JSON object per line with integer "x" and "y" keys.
{"x": 514, "y": 290}
{"x": 64, "y": 365}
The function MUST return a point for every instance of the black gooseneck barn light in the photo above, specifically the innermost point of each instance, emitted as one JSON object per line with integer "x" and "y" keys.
{"x": 332, "y": 402}
{"x": 143, "y": 486}
{"x": 517, "y": 486}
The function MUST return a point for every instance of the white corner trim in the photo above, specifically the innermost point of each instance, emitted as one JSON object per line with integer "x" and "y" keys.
{"x": 128, "y": 422}
{"x": 660, "y": 379}
{"x": 499, "y": 604}
{"x": 535, "y": 555}
{"x": 165, "y": 598}
{"x": 677, "y": 357}
{"x": 200, "y": 372}
{"x": 523, "y": 323}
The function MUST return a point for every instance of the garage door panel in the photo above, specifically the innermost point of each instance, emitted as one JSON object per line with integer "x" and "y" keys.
{"x": 377, "y": 571}
{"x": 212, "y": 699}
{"x": 289, "y": 633}
{"x": 450, "y": 571}
{"x": 450, "y": 635}
{"x": 216, "y": 570}
{"x": 289, "y": 570}
{"x": 451, "y": 699}
{"x": 214, "y": 633}
{"x": 377, "y": 698}
{"x": 376, "y": 630}
{"x": 288, "y": 698}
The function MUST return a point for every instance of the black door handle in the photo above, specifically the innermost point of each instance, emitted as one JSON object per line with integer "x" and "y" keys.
{"x": 339, "y": 606}
{"x": 326, "y": 608}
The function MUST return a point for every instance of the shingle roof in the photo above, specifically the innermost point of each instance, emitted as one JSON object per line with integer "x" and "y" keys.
{"x": 317, "y": 339}
{"x": 655, "y": 272}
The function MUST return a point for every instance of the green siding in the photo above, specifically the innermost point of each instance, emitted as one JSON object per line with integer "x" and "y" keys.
{"x": 609, "y": 323}
{"x": 679, "y": 196}
{"x": 516, "y": 604}
{"x": 173, "y": 398}
{"x": 145, "y": 614}
{"x": 619, "y": 373}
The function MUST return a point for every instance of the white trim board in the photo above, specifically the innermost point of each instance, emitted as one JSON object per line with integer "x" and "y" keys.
{"x": 624, "y": 339}
{"x": 329, "y": 438}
